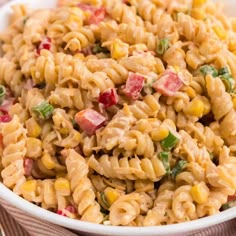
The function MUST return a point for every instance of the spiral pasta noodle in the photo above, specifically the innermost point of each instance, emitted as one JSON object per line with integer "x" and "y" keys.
{"x": 120, "y": 112}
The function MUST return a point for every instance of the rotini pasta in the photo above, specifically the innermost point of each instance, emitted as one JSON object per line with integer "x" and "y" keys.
{"x": 120, "y": 112}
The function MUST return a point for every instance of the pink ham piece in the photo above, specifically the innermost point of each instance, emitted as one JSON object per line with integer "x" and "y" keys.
{"x": 46, "y": 44}
{"x": 6, "y": 105}
{"x": 97, "y": 16}
{"x": 89, "y": 120}
{"x": 134, "y": 85}
{"x": 108, "y": 98}
{"x": 86, "y": 7}
{"x": 168, "y": 83}
{"x": 28, "y": 166}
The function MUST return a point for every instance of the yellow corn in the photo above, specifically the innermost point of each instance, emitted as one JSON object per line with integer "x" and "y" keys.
{"x": 234, "y": 102}
{"x": 198, "y": 3}
{"x": 144, "y": 126}
{"x": 220, "y": 32}
{"x": 33, "y": 128}
{"x": 191, "y": 92}
{"x": 111, "y": 195}
{"x": 64, "y": 131}
{"x": 127, "y": 110}
{"x": 198, "y": 14}
{"x": 74, "y": 22}
{"x": 232, "y": 44}
{"x": 29, "y": 186}
{"x": 118, "y": 50}
{"x": 34, "y": 148}
{"x": 62, "y": 186}
{"x": 48, "y": 161}
{"x": 159, "y": 133}
{"x": 207, "y": 105}
{"x": 200, "y": 193}
{"x": 195, "y": 108}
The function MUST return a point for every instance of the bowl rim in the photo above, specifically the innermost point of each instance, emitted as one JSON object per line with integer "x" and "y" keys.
{"x": 74, "y": 224}
{"x": 10, "y": 197}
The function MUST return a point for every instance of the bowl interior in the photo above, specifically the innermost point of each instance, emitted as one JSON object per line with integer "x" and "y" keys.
{"x": 40, "y": 213}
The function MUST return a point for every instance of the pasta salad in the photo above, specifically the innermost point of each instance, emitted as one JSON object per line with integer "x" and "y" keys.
{"x": 120, "y": 112}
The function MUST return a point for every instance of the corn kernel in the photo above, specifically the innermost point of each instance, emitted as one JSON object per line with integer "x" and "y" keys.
{"x": 64, "y": 131}
{"x": 127, "y": 110}
{"x": 232, "y": 44}
{"x": 111, "y": 195}
{"x": 48, "y": 161}
{"x": 62, "y": 186}
{"x": 195, "y": 108}
{"x": 34, "y": 148}
{"x": 198, "y": 3}
{"x": 33, "y": 128}
{"x": 198, "y": 14}
{"x": 191, "y": 92}
{"x": 234, "y": 102}
{"x": 159, "y": 133}
{"x": 220, "y": 32}
{"x": 144, "y": 126}
{"x": 118, "y": 50}
{"x": 200, "y": 193}
{"x": 29, "y": 186}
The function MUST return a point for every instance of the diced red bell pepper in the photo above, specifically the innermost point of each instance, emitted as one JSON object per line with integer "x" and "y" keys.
{"x": 134, "y": 85}
{"x": 69, "y": 208}
{"x": 46, "y": 44}
{"x": 97, "y": 16}
{"x": 5, "y": 118}
{"x": 232, "y": 198}
{"x": 89, "y": 120}
{"x": 28, "y": 166}
{"x": 108, "y": 98}
{"x": 168, "y": 83}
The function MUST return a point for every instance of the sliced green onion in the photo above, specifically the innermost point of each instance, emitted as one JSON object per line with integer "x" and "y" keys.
{"x": 208, "y": 70}
{"x": 2, "y": 93}
{"x": 178, "y": 168}
{"x": 228, "y": 205}
{"x": 44, "y": 110}
{"x": 170, "y": 141}
{"x": 164, "y": 157}
{"x": 163, "y": 45}
{"x": 104, "y": 200}
{"x": 98, "y": 48}
{"x": 223, "y": 71}
{"x": 228, "y": 82}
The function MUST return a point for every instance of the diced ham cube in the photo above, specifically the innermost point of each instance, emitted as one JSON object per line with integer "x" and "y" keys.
{"x": 134, "y": 85}
{"x": 97, "y": 16}
{"x": 108, "y": 98}
{"x": 89, "y": 120}
{"x": 46, "y": 44}
{"x": 168, "y": 84}
{"x": 86, "y": 7}
{"x": 6, "y": 105}
{"x": 28, "y": 166}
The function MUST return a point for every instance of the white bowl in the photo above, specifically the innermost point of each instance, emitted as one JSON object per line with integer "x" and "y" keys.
{"x": 89, "y": 228}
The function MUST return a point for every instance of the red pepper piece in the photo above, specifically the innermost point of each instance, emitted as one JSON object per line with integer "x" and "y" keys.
{"x": 108, "y": 98}
{"x": 134, "y": 85}
{"x": 168, "y": 84}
